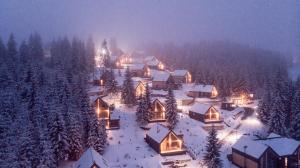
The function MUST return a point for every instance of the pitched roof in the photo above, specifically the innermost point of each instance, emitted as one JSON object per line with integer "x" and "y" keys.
{"x": 153, "y": 62}
{"x": 158, "y": 132}
{"x": 162, "y": 76}
{"x": 253, "y": 148}
{"x": 281, "y": 145}
{"x": 180, "y": 72}
{"x": 202, "y": 88}
{"x": 150, "y": 58}
{"x": 200, "y": 108}
{"x": 89, "y": 158}
{"x": 135, "y": 66}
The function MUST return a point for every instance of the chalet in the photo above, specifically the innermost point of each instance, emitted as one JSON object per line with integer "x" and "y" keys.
{"x": 274, "y": 151}
{"x": 164, "y": 141}
{"x": 182, "y": 99}
{"x": 249, "y": 153}
{"x": 162, "y": 81}
{"x": 227, "y": 106}
{"x": 157, "y": 110}
{"x": 208, "y": 91}
{"x": 139, "y": 70}
{"x": 139, "y": 88}
{"x": 91, "y": 159}
{"x": 103, "y": 113}
{"x": 205, "y": 113}
{"x": 182, "y": 76}
{"x": 154, "y": 63}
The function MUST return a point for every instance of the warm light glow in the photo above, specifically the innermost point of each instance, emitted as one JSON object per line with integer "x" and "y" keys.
{"x": 103, "y": 51}
{"x": 98, "y": 108}
{"x": 101, "y": 82}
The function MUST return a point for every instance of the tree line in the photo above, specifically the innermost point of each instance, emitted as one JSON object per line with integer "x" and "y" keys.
{"x": 46, "y": 114}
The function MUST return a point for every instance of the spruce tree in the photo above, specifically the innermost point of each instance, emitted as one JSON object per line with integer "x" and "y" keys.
{"x": 105, "y": 54}
{"x": 128, "y": 92}
{"x": 97, "y": 135}
{"x": 142, "y": 112}
{"x": 111, "y": 83}
{"x": 278, "y": 116}
{"x": 294, "y": 130}
{"x": 264, "y": 109}
{"x": 171, "y": 109}
{"x": 212, "y": 155}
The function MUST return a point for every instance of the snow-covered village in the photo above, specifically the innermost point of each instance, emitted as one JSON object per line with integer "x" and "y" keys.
{"x": 146, "y": 90}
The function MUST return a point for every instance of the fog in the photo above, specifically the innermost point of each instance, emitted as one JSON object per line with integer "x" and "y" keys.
{"x": 266, "y": 24}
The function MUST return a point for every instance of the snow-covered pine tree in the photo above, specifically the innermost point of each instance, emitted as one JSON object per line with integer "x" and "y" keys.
{"x": 278, "y": 116}
{"x": 212, "y": 155}
{"x": 47, "y": 159}
{"x": 264, "y": 109}
{"x": 111, "y": 83}
{"x": 97, "y": 135}
{"x": 141, "y": 112}
{"x": 105, "y": 54}
{"x": 128, "y": 92}
{"x": 171, "y": 109}
{"x": 59, "y": 138}
{"x": 148, "y": 96}
{"x": 90, "y": 54}
{"x": 294, "y": 130}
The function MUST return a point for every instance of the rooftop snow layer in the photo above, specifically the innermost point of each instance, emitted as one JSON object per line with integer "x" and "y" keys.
{"x": 89, "y": 157}
{"x": 200, "y": 108}
{"x": 281, "y": 145}
{"x": 161, "y": 76}
{"x": 253, "y": 148}
{"x": 181, "y": 72}
{"x": 158, "y": 132}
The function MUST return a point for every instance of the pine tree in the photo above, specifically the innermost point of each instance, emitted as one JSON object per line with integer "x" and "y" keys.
{"x": 105, "y": 54}
{"x": 47, "y": 159}
{"x": 59, "y": 139}
{"x": 171, "y": 109}
{"x": 294, "y": 130}
{"x": 264, "y": 109}
{"x": 278, "y": 116}
{"x": 128, "y": 92}
{"x": 97, "y": 135}
{"x": 90, "y": 54}
{"x": 111, "y": 83}
{"x": 148, "y": 96}
{"x": 212, "y": 155}
{"x": 142, "y": 112}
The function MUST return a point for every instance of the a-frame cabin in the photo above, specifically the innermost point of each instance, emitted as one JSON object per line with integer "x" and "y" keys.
{"x": 158, "y": 111}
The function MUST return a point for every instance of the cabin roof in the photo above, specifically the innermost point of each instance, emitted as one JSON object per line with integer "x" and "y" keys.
{"x": 89, "y": 158}
{"x": 153, "y": 62}
{"x": 180, "y": 72}
{"x": 135, "y": 66}
{"x": 200, "y": 108}
{"x": 281, "y": 145}
{"x": 158, "y": 132}
{"x": 163, "y": 76}
{"x": 102, "y": 101}
{"x": 150, "y": 58}
{"x": 201, "y": 88}
{"x": 254, "y": 148}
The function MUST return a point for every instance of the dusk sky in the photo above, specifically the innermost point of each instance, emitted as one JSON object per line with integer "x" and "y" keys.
{"x": 271, "y": 24}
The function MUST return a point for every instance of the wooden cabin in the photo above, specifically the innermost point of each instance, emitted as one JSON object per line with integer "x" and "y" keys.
{"x": 228, "y": 106}
{"x": 164, "y": 141}
{"x": 103, "y": 113}
{"x": 140, "y": 88}
{"x": 182, "y": 76}
{"x": 91, "y": 159}
{"x": 158, "y": 111}
{"x": 162, "y": 81}
{"x": 139, "y": 70}
{"x": 208, "y": 91}
{"x": 154, "y": 63}
{"x": 205, "y": 113}
{"x": 274, "y": 151}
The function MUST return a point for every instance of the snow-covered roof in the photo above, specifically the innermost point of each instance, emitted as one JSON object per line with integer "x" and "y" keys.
{"x": 180, "y": 72}
{"x": 200, "y": 108}
{"x": 136, "y": 83}
{"x": 135, "y": 66}
{"x": 153, "y": 62}
{"x": 253, "y": 148}
{"x": 159, "y": 92}
{"x": 201, "y": 88}
{"x": 179, "y": 94}
{"x": 162, "y": 76}
{"x": 281, "y": 145}
{"x": 89, "y": 158}
{"x": 158, "y": 132}
{"x": 150, "y": 58}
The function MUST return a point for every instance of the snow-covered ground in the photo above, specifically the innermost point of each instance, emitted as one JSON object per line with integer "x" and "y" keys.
{"x": 127, "y": 147}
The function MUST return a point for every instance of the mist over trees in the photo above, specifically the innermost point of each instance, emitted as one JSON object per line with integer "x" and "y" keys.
{"x": 45, "y": 109}
{"x": 229, "y": 66}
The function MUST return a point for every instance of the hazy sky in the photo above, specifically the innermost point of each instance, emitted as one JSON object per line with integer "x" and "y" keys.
{"x": 272, "y": 24}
